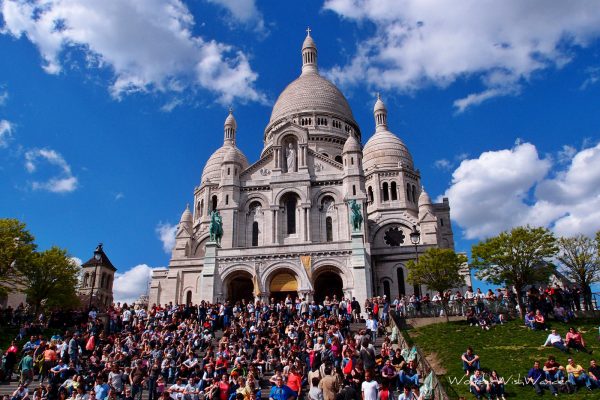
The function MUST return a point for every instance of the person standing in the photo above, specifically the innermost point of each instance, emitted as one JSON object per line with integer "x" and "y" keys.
{"x": 369, "y": 386}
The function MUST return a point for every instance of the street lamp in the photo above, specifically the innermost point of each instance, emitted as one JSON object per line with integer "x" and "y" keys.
{"x": 415, "y": 238}
{"x": 97, "y": 258}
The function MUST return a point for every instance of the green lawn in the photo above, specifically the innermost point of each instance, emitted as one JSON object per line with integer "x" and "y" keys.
{"x": 510, "y": 349}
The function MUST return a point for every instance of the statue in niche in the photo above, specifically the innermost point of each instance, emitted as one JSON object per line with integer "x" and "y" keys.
{"x": 290, "y": 156}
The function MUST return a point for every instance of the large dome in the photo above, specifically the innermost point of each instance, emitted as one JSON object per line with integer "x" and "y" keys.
{"x": 311, "y": 92}
{"x": 384, "y": 149}
{"x": 212, "y": 169}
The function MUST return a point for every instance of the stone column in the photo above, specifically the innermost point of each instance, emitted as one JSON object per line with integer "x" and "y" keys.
{"x": 209, "y": 272}
{"x": 361, "y": 269}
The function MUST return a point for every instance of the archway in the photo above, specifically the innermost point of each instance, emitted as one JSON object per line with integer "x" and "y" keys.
{"x": 240, "y": 287}
{"x": 283, "y": 284}
{"x": 328, "y": 283}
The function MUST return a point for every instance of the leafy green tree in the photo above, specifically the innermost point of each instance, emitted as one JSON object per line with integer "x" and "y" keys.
{"x": 579, "y": 256}
{"x": 439, "y": 270}
{"x": 16, "y": 248}
{"x": 50, "y": 280}
{"x": 517, "y": 258}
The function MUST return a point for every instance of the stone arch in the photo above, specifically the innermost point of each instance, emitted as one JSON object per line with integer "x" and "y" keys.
{"x": 406, "y": 222}
{"x": 285, "y": 191}
{"x": 261, "y": 198}
{"x": 238, "y": 283}
{"x": 200, "y": 246}
{"x": 318, "y": 196}
{"x": 296, "y": 269}
{"x": 184, "y": 294}
{"x": 399, "y": 277}
{"x": 300, "y": 136}
{"x": 330, "y": 264}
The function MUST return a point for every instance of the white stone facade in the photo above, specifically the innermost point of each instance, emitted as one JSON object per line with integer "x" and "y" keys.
{"x": 286, "y": 217}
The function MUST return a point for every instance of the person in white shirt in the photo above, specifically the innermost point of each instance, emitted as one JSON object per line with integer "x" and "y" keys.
{"x": 555, "y": 340}
{"x": 369, "y": 387}
{"x": 371, "y": 326}
{"x": 177, "y": 390}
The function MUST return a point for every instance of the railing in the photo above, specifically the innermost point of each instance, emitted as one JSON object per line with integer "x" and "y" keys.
{"x": 423, "y": 366}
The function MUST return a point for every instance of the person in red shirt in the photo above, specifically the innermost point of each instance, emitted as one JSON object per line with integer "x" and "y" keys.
{"x": 575, "y": 341}
{"x": 223, "y": 387}
{"x": 294, "y": 380}
{"x": 10, "y": 360}
{"x": 539, "y": 321}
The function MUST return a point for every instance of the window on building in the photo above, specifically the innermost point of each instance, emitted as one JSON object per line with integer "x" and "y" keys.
{"x": 400, "y": 278}
{"x": 408, "y": 192}
{"x": 394, "y": 191}
{"x": 85, "y": 279}
{"x": 370, "y": 194}
{"x": 226, "y": 199}
{"x": 188, "y": 298}
{"x": 353, "y": 190}
{"x": 338, "y": 159}
{"x": 442, "y": 221}
{"x": 201, "y": 208}
{"x": 229, "y": 171}
{"x": 290, "y": 209}
{"x": 214, "y": 203}
{"x": 414, "y": 193}
{"x": 351, "y": 160}
{"x": 386, "y": 289}
{"x": 329, "y": 229}
{"x": 325, "y": 155}
{"x": 255, "y": 234}
{"x": 386, "y": 194}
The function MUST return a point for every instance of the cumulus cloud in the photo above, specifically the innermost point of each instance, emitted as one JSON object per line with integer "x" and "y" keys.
{"x": 129, "y": 285}
{"x": 420, "y": 43}
{"x": 6, "y": 130}
{"x": 147, "y": 45}
{"x": 63, "y": 182}
{"x": 244, "y": 12}
{"x": 166, "y": 234}
{"x": 506, "y": 188}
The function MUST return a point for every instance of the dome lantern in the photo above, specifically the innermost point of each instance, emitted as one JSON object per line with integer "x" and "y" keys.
{"x": 230, "y": 128}
{"x": 309, "y": 54}
{"x": 380, "y": 113}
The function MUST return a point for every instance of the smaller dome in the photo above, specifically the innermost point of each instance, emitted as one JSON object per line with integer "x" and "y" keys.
{"x": 424, "y": 199}
{"x": 212, "y": 169}
{"x": 379, "y": 106}
{"x": 234, "y": 155}
{"x": 187, "y": 215}
{"x": 308, "y": 43}
{"x": 384, "y": 149}
{"x": 230, "y": 120}
{"x": 351, "y": 145}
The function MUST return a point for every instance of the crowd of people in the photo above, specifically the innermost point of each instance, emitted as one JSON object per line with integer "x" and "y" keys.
{"x": 288, "y": 349}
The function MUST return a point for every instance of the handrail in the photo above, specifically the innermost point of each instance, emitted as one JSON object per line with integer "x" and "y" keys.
{"x": 423, "y": 366}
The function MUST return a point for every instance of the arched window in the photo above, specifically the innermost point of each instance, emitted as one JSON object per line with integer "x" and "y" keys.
{"x": 414, "y": 193}
{"x": 188, "y": 298}
{"x": 351, "y": 160}
{"x": 394, "y": 191}
{"x": 329, "y": 229}
{"x": 400, "y": 277}
{"x": 338, "y": 159}
{"x": 325, "y": 155}
{"x": 386, "y": 194}
{"x": 201, "y": 208}
{"x": 386, "y": 289}
{"x": 370, "y": 194}
{"x": 226, "y": 199}
{"x": 228, "y": 170}
{"x": 85, "y": 279}
{"x": 353, "y": 190}
{"x": 408, "y": 192}
{"x": 290, "y": 209}
{"x": 214, "y": 203}
{"x": 102, "y": 278}
{"x": 442, "y": 221}
{"x": 255, "y": 233}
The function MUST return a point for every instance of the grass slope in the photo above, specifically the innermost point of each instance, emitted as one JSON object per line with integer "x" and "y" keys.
{"x": 510, "y": 349}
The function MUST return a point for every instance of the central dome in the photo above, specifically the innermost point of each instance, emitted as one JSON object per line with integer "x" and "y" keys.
{"x": 311, "y": 92}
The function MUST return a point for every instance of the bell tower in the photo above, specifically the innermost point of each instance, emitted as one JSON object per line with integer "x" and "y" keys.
{"x": 98, "y": 275}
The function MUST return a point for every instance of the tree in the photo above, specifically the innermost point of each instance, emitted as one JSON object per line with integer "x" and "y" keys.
{"x": 16, "y": 248}
{"x": 517, "y": 258}
{"x": 581, "y": 262}
{"x": 50, "y": 280}
{"x": 439, "y": 270}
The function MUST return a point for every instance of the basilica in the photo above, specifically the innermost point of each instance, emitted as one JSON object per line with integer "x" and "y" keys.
{"x": 286, "y": 227}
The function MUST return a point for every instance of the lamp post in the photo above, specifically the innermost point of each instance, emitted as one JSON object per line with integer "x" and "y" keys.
{"x": 415, "y": 238}
{"x": 97, "y": 258}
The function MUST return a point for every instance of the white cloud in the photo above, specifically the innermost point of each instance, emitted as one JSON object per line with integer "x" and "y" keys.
{"x": 63, "y": 182}
{"x": 166, "y": 234}
{"x": 506, "y": 188}
{"x": 244, "y": 12}
{"x": 592, "y": 78}
{"x": 443, "y": 164}
{"x": 129, "y": 285}
{"x": 147, "y": 45}
{"x": 76, "y": 260}
{"x": 6, "y": 130}
{"x": 419, "y": 43}
{"x": 566, "y": 154}
{"x": 119, "y": 196}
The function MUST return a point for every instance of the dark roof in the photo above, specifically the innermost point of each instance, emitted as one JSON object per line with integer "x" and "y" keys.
{"x": 103, "y": 262}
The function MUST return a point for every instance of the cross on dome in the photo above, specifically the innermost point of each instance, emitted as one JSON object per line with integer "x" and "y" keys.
{"x": 308, "y": 30}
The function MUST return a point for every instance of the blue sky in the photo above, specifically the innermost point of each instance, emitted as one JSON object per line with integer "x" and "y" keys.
{"x": 109, "y": 110}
